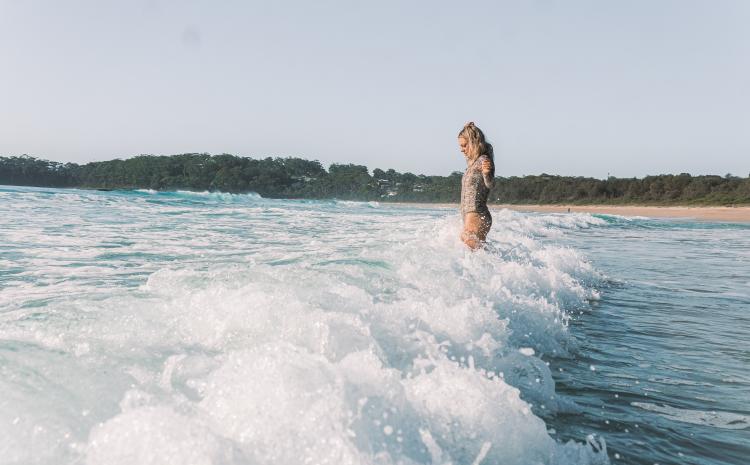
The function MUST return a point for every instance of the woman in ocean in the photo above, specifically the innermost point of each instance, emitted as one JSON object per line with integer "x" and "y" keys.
{"x": 475, "y": 185}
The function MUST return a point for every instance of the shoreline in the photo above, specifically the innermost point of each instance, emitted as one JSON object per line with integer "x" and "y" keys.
{"x": 723, "y": 214}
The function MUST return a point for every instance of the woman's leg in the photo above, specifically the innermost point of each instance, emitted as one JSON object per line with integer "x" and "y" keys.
{"x": 476, "y": 227}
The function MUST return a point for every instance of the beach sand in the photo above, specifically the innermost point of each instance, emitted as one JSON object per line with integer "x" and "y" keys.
{"x": 731, "y": 214}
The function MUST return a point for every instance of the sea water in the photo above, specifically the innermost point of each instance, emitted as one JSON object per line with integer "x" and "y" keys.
{"x": 202, "y": 328}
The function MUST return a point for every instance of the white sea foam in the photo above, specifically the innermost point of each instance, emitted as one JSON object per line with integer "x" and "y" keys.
{"x": 353, "y": 203}
{"x": 297, "y": 333}
{"x": 223, "y": 196}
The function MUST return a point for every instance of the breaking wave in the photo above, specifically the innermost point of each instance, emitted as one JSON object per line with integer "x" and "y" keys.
{"x": 303, "y": 333}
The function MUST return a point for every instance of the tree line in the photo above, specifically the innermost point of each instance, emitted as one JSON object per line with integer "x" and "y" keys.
{"x": 299, "y": 178}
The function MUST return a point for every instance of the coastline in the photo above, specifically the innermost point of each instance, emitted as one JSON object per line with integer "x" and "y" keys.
{"x": 723, "y": 214}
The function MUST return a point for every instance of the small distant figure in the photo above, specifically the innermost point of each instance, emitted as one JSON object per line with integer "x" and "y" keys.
{"x": 568, "y": 209}
{"x": 475, "y": 185}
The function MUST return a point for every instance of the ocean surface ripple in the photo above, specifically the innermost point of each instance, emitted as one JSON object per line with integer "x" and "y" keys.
{"x": 201, "y": 328}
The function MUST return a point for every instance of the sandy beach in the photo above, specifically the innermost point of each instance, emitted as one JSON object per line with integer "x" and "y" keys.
{"x": 731, "y": 214}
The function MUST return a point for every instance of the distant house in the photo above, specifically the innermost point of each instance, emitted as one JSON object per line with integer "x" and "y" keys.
{"x": 418, "y": 188}
{"x": 386, "y": 187}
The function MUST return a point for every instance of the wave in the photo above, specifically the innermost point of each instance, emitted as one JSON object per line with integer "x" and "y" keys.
{"x": 220, "y": 195}
{"x": 371, "y": 346}
{"x": 188, "y": 196}
{"x": 357, "y": 203}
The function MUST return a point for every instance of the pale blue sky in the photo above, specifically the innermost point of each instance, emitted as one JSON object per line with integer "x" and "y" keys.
{"x": 576, "y": 87}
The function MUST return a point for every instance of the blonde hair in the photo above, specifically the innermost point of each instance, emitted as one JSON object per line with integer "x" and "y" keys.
{"x": 478, "y": 145}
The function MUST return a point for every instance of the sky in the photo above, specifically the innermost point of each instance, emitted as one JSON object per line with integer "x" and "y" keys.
{"x": 569, "y": 87}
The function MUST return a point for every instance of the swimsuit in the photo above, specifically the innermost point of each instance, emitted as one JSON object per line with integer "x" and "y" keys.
{"x": 475, "y": 188}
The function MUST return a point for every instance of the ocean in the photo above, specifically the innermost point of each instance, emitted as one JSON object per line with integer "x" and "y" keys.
{"x": 142, "y": 327}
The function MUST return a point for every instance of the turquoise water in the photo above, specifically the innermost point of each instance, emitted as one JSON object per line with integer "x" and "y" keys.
{"x": 201, "y": 328}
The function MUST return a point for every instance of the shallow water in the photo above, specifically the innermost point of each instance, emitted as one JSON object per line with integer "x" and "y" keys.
{"x": 143, "y": 327}
{"x": 669, "y": 342}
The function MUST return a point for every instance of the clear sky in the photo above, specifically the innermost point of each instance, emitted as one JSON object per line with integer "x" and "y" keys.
{"x": 573, "y": 87}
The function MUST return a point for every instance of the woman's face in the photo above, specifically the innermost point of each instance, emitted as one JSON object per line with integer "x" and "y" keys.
{"x": 464, "y": 145}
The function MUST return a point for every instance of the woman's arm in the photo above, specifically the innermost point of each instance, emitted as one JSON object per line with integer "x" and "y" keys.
{"x": 489, "y": 180}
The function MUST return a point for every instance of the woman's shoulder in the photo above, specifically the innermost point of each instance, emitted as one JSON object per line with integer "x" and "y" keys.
{"x": 480, "y": 159}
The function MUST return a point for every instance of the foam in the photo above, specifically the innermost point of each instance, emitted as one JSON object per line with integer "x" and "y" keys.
{"x": 221, "y": 196}
{"x": 303, "y": 333}
{"x": 157, "y": 436}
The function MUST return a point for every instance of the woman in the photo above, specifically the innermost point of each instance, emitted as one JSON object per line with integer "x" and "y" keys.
{"x": 475, "y": 185}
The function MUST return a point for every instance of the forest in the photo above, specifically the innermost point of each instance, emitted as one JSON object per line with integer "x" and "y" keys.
{"x": 292, "y": 177}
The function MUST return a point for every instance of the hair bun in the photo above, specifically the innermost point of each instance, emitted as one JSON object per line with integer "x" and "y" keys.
{"x": 470, "y": 123}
